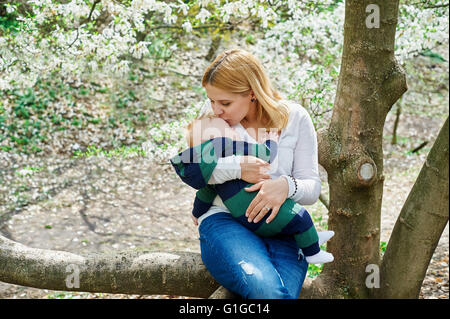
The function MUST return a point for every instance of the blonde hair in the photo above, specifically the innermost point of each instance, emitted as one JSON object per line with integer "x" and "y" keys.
{"x": 238, "y": 71}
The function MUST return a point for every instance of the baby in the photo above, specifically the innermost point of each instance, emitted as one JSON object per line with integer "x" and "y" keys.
{"x": 208, "y": 127}
{"x": 213, "y": 136}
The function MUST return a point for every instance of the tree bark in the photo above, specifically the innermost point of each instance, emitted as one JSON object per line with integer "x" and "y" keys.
{"x": 419, "y": 226}
{"x": 127, "y": 272}
{"x": 350, "y": 149}
{"x": 397, "y": 119}
{"x": 222, "y": 293}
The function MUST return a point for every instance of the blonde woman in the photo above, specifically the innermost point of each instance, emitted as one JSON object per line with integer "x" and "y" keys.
{"x": 240, "y": 92}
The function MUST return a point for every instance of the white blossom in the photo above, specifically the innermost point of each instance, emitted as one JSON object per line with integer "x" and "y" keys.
{"x": 10, "y": 8}
{"x": 183, "y": 7}
{"x": 139, "y": 49}
{"x": 187, "y": 26}
{"x": 308, "y": 35}
{"x": 173, "y": 47}
{"x": 203, "y": 15}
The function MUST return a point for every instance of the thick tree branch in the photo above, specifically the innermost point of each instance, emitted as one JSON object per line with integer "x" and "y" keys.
{"x": 321, "y": 287}
{"x": 128, "y": 272}
{"x": 419, "y": 226}
{"x": 222, "y": 293}
{"x": 325, "y": 151}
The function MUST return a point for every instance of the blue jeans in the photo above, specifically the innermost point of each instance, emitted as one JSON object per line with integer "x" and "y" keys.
{"x": 248, "y": 265}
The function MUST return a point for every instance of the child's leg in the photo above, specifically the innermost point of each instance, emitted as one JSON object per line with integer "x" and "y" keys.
{"x": 303, "y": 229}
{"x": 292, "y": 219}
{"x": 237, "y": 200}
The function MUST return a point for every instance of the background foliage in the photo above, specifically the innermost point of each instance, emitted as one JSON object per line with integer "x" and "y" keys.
{"x": 85, "y": 73}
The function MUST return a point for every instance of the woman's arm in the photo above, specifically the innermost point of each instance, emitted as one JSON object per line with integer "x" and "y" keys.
{"x": 305, "y": 168}
{"x": 305, "y": 171}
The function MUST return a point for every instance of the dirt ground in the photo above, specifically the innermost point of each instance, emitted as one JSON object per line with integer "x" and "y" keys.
{"x": 100, "y": 204}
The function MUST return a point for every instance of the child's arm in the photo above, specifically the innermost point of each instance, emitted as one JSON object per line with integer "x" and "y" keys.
{"x": 228, "y": 168}
{"x": 203, "y": 200}
{"x": 196, "y": 164}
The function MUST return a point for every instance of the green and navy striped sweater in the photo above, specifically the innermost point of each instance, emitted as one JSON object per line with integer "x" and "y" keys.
{"x": 195, "y": 167}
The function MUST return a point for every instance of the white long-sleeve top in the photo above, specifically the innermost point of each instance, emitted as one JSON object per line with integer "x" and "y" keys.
{"x": 297, "y": 156}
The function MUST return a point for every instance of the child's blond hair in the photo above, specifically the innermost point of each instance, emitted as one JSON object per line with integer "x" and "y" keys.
{"x": 190, "y": 126}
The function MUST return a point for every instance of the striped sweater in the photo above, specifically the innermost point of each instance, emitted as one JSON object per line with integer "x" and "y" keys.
{"x": 195, "y": 166}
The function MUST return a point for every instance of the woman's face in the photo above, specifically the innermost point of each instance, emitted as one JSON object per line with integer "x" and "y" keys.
{"x": 231, "y": 107}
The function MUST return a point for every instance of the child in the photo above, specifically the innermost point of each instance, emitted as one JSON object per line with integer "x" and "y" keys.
{"x": 217, "y": 139}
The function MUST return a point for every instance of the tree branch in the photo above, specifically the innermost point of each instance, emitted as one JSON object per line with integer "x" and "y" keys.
{"x": 128, "y": 272}
{"x": 437, "y": 6}
{"x": 431, "y": 6}
{"x": 419, "y": 226}
{"x": 85, "y": 21}
{"x": 92, "y": 10}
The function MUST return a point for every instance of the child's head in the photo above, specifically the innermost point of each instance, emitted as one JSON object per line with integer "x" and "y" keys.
{"x": 207, "y": 127}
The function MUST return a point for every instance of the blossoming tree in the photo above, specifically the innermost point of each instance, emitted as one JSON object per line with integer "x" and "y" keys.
{"x": 76, "y": 38}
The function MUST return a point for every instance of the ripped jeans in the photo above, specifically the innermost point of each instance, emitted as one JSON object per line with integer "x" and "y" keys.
{"x": 248, "y": 265}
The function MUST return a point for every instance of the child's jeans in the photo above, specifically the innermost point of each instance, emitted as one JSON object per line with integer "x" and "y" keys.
{"x": 248, "y": 265}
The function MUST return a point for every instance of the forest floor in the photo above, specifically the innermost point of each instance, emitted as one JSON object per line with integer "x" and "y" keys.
{"x": 103, "y": 204}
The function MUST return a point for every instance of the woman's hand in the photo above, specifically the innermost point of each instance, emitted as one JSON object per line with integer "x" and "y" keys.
{"x": 253, "y": 169}
{"x": 272, "y": 194}
{"x": 195, "y": 220}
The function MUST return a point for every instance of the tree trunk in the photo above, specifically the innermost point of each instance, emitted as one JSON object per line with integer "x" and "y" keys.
{"x": 350, "y": 149}
{"x": 129, "y": 272}
{"x": 419, "y": 226}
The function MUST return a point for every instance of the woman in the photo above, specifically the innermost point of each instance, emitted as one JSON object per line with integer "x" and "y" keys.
{"x": 240, "y": 92}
